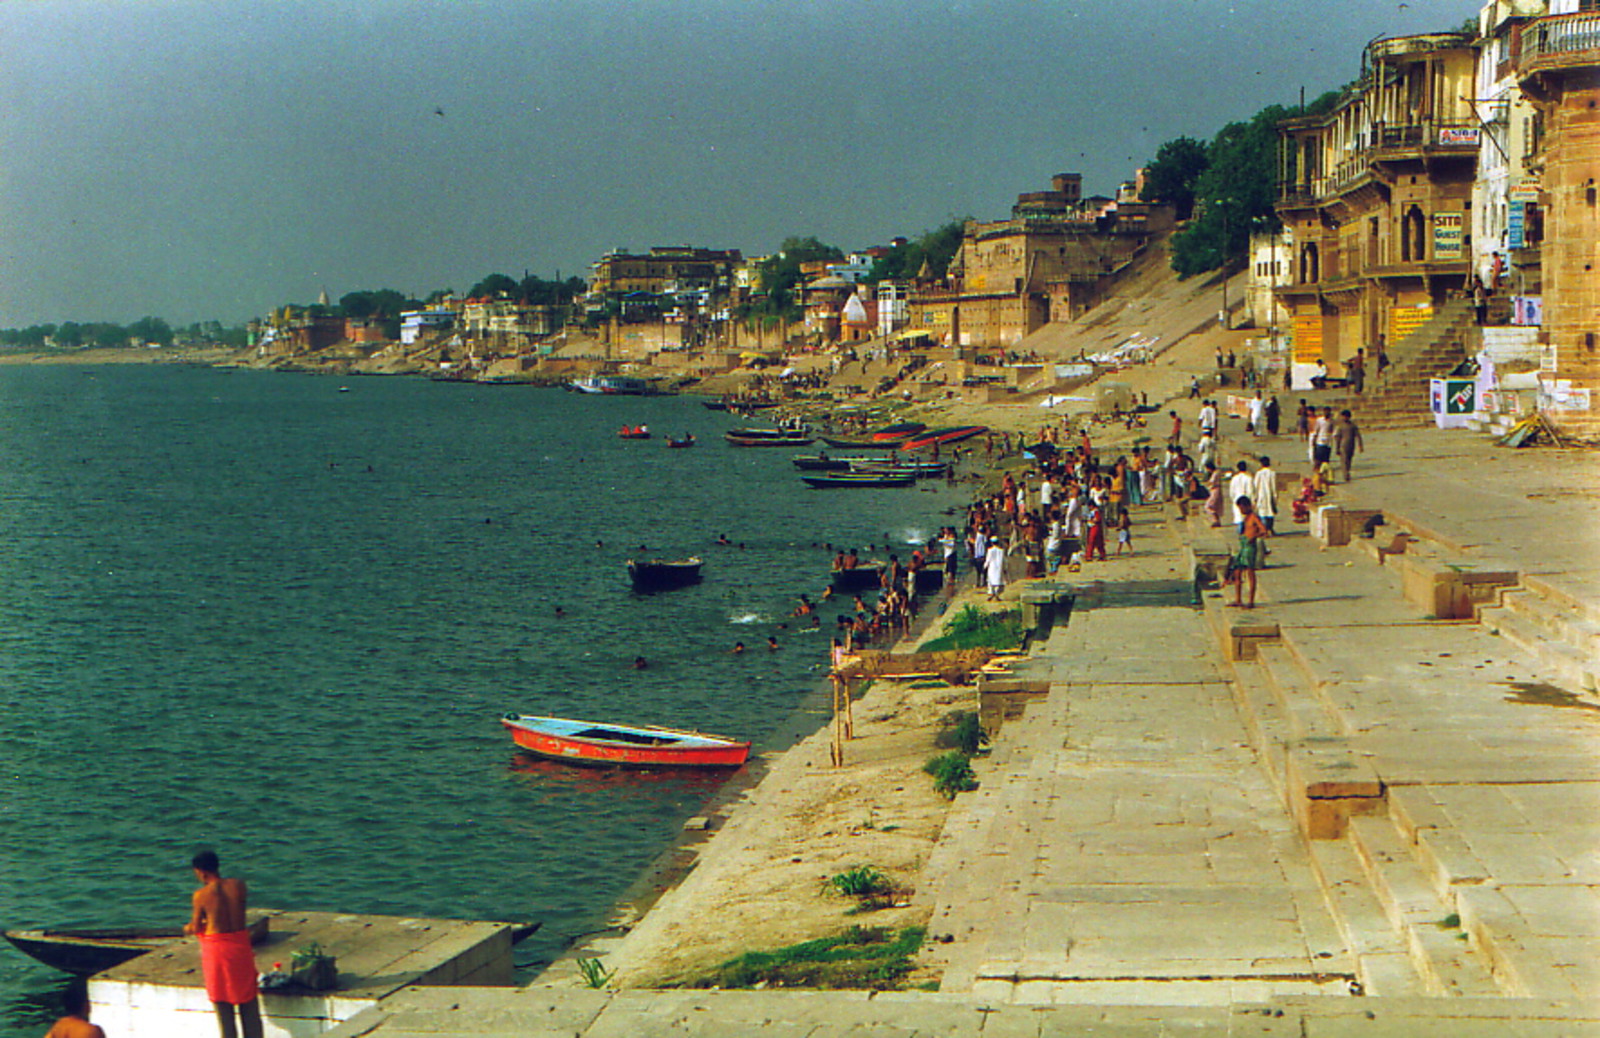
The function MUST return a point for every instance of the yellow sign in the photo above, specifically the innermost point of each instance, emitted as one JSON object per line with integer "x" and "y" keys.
{"x": 1403, "y": 320}
{"x": 1307, "y": 338}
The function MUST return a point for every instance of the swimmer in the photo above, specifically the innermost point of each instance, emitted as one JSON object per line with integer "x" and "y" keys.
{"x": 639, "y": 663}
{"x": 772, "y": 643}
{"x": 560, "y": 612}
{"x": 738, "y": 647}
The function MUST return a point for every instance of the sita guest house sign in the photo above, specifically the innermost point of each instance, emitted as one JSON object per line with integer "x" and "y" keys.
{"x": 1448, "y": 229}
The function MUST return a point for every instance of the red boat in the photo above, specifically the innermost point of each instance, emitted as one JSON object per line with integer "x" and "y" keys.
{"x": 897, "y": 432}
{"x": 589, "y": 742}
{"x": 634, "y": 432}
{"x": 948, "y": 434}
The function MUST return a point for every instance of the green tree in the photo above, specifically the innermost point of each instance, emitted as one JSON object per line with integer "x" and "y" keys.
{"x": 936, "y": 247}
{"x": 494, "y": 286}
{"x": 780, "y": 274}
{"x": 1234, "y": 196}
{"x": 151, "y": 329}
{"x": 1170, "y": 177}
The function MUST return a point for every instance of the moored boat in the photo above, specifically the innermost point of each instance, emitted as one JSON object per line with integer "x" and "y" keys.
{"x": 858, "y": 443}
{"x": 662, "y": 574}
{"x": 766, "y": 438}
{"x": 947, "y": 434}
{"x": 834, "y": 480}
{"x": 898, "y": 431}
{"x": 900, "y": 467}
{"x": 614, "y": 385}
{"x": 590, "y": 742}
{"x": 858, "y": 579}
{"x": 820, "y": 463}
{"x": 91, "y": 950}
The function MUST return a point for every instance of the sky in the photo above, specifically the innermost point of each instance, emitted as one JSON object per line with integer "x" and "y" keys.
{"x": 214, "y": 159}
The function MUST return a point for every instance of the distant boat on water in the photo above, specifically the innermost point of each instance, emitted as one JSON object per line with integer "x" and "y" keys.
{"x": 664, "y": 574}
{"x": 614, "y": 385}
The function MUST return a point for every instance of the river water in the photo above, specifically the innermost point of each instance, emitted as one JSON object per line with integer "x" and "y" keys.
{"x": 280, "y": 614}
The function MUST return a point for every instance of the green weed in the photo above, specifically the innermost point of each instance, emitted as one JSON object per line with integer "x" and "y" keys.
{"x": 594, "y": 974}
{"x": 861, "y": 881}
{"x": 961, "y": 730}
{"x": 952, "y": 774}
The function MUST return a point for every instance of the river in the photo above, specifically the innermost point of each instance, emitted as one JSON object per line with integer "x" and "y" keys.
{"x": 279, "y": 615}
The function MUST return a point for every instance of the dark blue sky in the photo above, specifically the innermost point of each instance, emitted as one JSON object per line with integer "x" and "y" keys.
{"x": 199, "y": 159}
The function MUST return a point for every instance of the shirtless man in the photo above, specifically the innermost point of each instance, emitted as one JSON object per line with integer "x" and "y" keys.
{"x": 226, "y": 958}
{"x": 75, "y": 1003}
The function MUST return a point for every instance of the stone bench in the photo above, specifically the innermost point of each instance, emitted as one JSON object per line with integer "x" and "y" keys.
{"x": 1450, "y": 589}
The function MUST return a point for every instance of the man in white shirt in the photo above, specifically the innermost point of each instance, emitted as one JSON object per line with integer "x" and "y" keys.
{"x": 1264, "y": 493}
{"x": 1208, "y": 418}
{"x": 1240, "y": 485}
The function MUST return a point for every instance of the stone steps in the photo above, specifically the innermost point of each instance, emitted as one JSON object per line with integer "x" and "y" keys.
{"x": 1383, "y": 963}
{"x": 1441, "y": 952}
{"x": 1528, "y": 634}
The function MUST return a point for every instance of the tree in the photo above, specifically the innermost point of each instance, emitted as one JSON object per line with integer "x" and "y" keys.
{"x": 1234, "y": 196}
{"x": 1170, "y": 177}
{"x": 494, "y": 286}
{"x": 780, "y": 274}
{"x": 151, "y": 330}
{"x": 936, "y": 248}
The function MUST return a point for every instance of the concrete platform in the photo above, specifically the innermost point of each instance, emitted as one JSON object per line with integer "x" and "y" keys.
{"x": 162, "y": 994}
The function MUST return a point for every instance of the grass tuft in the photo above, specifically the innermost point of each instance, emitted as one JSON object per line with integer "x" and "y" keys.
{"x": 952, "y": 774}
{"x": 875, "y": 958}
{"x": 974, "y": 628}
{"x": 961, "y": 730}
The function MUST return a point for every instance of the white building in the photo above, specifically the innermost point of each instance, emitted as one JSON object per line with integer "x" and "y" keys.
{"x": 1270, "y": 257}
{"x": 894, "y": 311}
{"x": 413, "y": 323}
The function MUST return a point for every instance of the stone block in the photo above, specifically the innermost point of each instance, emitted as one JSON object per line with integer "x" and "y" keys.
{"x": 1328, "y": 786}
{"x": 1245, "y": 639}
{"x": 1336, "y": 525}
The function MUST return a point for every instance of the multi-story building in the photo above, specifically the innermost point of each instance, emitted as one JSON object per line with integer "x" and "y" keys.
{"x": 1010, "y": 277}
{"x": 1271, "y": 253}
{"x": 1376, "y": 193}
{"x": 679, "y": 266}
{"x": 1557, "y": 60}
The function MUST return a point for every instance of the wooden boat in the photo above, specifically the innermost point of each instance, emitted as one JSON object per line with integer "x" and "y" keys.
{"x": 634, "y": 432}
{"x": 836, "y": 480}
{"x": 900, "y": 467}
{"x": 662, "y": 574}
{"x": 590, "y": 742}
{"x": 899, "y": 431}
{"x": 820, "y": 463}
{"x": 687, "y": 441}
{"x": 93, "y": 950}
{"x": 766, "y": 439}
{"x": 862, "y": 578}
{"x": 857, "y": 443}
{"x": 714, "y": 405}
{"x": 948, "y": 434}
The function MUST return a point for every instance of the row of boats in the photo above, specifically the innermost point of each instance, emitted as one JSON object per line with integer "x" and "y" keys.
{"x": 908, "y": 436}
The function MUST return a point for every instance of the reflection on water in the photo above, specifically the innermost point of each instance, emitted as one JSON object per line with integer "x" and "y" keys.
{"x": 255, "y": 612}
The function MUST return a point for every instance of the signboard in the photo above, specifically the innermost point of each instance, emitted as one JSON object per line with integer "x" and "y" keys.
{"x": 1459, "y": 136}
{"x": 1447, "y": 231}
{"x": 1447, "y": 397}
{"x": 1307, "y": 338}
{"x": 1523, "y": 191}
{"x": 1516, "y": 225}
{"x": 1403, "y": 320}
{"x": 1527, "y": 311}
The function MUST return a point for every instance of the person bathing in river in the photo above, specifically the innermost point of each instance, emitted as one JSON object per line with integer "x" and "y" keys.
{"x": 227, "y": 962}
{"x": 75, "y": 1024}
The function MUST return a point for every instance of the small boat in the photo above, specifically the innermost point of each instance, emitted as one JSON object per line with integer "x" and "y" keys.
{"x": 590, "y": 742}
{"x": 687, "y": 441}
{"x": 899, "y": 467}
{"x": 899, "y": 431}
{"x": 948, "y": 434}
{"x": 857, "y": 443}
{"x": 634, "y": 432}
{"x": 662, "y": 574}
{"x": 714, "y": 405}
{"x": 765, "y": 439}
{"x": 836, "y": 480}
{"x": 820, "y": 463}
{"x": 90, "y": 951}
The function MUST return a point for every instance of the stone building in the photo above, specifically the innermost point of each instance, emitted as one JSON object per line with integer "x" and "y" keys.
{"x": 1557, "y": 60}
{"x": 1376, "y": 193}
{"x": 664, "y": 268}
{"x": 1048, "y": 262}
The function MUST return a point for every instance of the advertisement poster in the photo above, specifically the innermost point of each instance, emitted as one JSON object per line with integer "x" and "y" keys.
{"x": 1458, "y": 136}
{"x": 1527, "y": 311}
{"x": 1447, "y": 232}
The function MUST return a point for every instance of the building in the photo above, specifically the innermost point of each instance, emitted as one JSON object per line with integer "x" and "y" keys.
{"x": 416, "y": 323}
{"x": 1049, "y": 262}
{"x": 1557, "y": 63}
{"x": 662, "y": 269}
{"x": 1270, "y": 256}
{"x": 1376, "y": 193}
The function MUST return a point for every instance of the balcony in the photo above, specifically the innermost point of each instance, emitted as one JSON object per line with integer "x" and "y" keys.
{"x": 1561, "y": 41}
